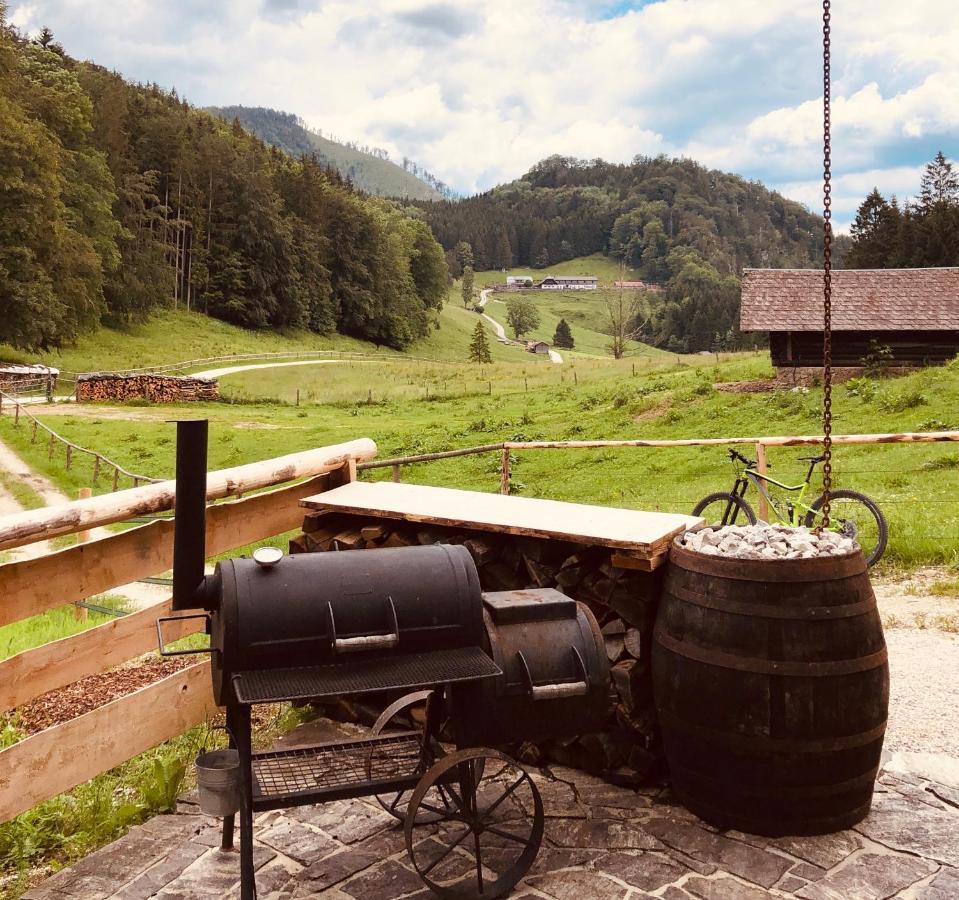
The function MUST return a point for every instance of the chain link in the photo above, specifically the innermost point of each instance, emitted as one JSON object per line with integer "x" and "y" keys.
{"x": 827, "y": 265}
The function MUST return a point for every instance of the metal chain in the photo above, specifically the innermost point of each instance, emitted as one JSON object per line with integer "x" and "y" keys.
{"x": 827, "y": 266}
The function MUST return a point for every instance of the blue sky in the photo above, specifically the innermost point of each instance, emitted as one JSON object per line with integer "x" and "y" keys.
{"x": 478, "y": 92}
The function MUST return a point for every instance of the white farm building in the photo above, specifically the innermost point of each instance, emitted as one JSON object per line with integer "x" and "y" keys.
{"x": 569, "y": 283}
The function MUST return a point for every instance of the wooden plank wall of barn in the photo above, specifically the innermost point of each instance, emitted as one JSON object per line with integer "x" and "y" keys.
{"x": 849, "y": 348}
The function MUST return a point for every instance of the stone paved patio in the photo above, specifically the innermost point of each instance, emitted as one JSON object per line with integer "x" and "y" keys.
{"x": 602, "y": 843}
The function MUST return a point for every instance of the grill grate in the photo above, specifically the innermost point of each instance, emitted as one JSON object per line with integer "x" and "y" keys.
{"x": 414, "y": 670}
{"x": 350, "y": 767}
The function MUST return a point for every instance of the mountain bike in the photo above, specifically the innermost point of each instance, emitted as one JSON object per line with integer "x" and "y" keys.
{"x": 851, "y": 513}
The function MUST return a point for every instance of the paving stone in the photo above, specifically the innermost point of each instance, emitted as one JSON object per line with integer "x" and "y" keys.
{"x": 724, "y": 888}
{"x": 80, "y": 887}
{"x": 790, "y": 884}
{"x": 945, "y": 886}
{"x": 296, "y": 840}
{"x": 333, "y": 869}
{"x": 162, "y": 873}
{"x": 825, "y": 850}
{"x": 646, "y": 871}
{"x": 948, "y": 795}
{"x": 870, "y": 876}
{"x": 615, "y": 798}
{"x": 347, "y": 822}
{"x": 559, "y": 799}
{"x": 126, "y": 857}
{"x": 578, "y": 885}
{"x": 744, "y": 860}
{"x": 387, "y": 880}
{"x": 675, "y": 893}
{"x": 807, "y": 871}
{"x": 914, "y": 828}
{"x": 601, "y": 834}
{"x": 213, "y": 874}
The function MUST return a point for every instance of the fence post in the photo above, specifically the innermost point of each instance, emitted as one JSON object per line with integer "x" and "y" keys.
{"x": 16, "y": 415}
{"x": 81, "y": 613}
{"x": 762, "y": 468}
{"x": 69, "y": 456}
{"x": 395, "y": 470}
{"x": 50, "y": 449}
{"x": 33, "y": 434}
{"x": 96, "y": 467}
{"x": 116, "y": 478}
{"x": 504, "y": 473}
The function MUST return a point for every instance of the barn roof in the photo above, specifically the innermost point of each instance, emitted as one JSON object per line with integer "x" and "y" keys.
{"x": 862, "y": 300}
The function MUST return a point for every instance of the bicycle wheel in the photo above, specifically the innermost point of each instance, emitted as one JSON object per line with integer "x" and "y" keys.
{"x": 856, "y": 516}
{"x": 722, "y": 508}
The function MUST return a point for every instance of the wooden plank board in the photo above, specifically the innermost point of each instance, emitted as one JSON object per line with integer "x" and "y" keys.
{"x": 33, "y": 586}
{"x": 59, "y": 758}
{"x": 50, "y": 666}
{"x": 641, "y": 532}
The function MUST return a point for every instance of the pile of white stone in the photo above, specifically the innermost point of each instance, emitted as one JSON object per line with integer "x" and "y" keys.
{"x": 762, "y": 541}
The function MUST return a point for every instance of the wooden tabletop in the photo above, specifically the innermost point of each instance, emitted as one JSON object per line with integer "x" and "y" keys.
{"x": 639, "y": 533}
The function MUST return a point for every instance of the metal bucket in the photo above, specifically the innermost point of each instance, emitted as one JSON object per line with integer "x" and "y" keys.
{"x": 218, "y": 780}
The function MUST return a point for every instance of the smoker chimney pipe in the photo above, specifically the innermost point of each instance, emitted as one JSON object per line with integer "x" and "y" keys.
{"x": 189, "y": 536}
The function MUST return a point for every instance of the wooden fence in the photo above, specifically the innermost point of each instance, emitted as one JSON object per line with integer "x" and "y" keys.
{"x": 100, "y": 462}
{"x": 760, "y": 445}
{"x": 63, "y": 756}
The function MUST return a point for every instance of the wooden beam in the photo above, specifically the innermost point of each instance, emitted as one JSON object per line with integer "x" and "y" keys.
{"x": 39, "y": 524}
{"x": 59, "y": 758}
{"x": 33, "y": 586}
{"x": 50, "y": 666}
{"x": 762, "y": 467}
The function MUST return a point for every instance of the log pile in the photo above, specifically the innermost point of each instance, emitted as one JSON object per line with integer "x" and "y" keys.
{"x": 622, "y": 598}
{"x": 113, "y": 388}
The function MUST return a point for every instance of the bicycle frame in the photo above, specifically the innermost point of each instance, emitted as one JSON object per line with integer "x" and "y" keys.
{"x": 798, "y": 508}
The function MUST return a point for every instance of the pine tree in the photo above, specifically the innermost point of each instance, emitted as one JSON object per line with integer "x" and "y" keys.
{"x": 940, "y": 185}
{"x": 479, "y": 346}
{"x": 563, "y": 336}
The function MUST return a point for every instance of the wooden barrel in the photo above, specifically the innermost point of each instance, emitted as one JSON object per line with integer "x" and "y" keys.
{"x": 771, "y": 687}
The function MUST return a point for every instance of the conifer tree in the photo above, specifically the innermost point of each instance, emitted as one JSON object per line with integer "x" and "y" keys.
{"x": 563, "y": 336}
{"x": 479, "y": 346}
{"x": 940, "y": 185}
{"x": 467, "y": 285}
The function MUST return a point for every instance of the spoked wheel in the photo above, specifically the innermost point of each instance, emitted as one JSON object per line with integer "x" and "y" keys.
{"x": 489, "y": 840}
{"x": 722, "y": 508}
{"x": 398, "y": 717}
{"x": 857, "y": 517}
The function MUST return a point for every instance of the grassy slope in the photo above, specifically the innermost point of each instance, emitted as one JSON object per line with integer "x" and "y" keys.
{"x": 915, "y": 484}
{"x": 584, "y": 310}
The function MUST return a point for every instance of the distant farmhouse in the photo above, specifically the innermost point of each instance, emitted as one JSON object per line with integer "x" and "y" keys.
{"x": 537, "y": 347}
{"x": 519, "y": 281}
{"x": 913, "y": 312}
{"x": 569, "y": 283}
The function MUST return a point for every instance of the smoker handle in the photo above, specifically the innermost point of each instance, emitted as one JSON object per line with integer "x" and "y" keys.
{"x": 163, "y": 649}
{"x": 561, "y": 689}
{"x": 366, "y": 641}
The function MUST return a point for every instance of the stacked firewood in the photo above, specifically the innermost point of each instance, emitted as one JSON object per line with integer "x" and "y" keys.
{"x": 622, "y": 599}
{"x": 112, "y": 388}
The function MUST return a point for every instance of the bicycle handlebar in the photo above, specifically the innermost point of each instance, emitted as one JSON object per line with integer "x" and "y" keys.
{"x": 736, "y": 455}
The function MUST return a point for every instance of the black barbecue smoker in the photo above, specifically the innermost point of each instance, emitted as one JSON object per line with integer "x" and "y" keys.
{"x": 495, "y": 669}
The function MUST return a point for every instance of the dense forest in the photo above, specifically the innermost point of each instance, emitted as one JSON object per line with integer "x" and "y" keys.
{"x": 917, "y": 234}
{"x": 368, "y": 169}
{"x": 683, "y": 226}
{"x": 117, "y": 198}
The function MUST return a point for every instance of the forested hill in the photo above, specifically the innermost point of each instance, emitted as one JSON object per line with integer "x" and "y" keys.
{"x": 369, "y": 168}
{"x": 118, "y": 198}
{"x": 564, "y": 208}
{"x": 684, "y": 227}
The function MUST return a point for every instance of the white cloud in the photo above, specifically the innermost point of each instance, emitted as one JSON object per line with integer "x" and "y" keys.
{"x": 479, "y": 92}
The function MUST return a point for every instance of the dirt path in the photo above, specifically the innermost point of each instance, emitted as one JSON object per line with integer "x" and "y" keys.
{"x": 232, "y": 370}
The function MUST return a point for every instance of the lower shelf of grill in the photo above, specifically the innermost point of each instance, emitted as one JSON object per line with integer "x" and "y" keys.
{"x": 361, "y": 676}
{"x": 337, "y": 771}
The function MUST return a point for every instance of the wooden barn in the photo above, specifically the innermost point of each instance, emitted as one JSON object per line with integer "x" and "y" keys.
{"x": 913, "y": 312}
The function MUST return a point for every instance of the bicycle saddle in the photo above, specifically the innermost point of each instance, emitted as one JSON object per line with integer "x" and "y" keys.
{"x": 816, "y": 459}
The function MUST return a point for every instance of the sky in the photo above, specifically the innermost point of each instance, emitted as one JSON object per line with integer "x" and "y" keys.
{"x": 478, "y": 92}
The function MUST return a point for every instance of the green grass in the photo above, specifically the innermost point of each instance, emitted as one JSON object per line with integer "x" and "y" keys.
{"x": 53, "y": 625}
{"x": 604, "y": 401}
{"x": 25, "y": 495}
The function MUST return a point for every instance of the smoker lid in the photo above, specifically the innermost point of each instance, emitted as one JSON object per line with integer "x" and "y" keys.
{"x": 409, "y": 672}
{"x": 529, "y": 605}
